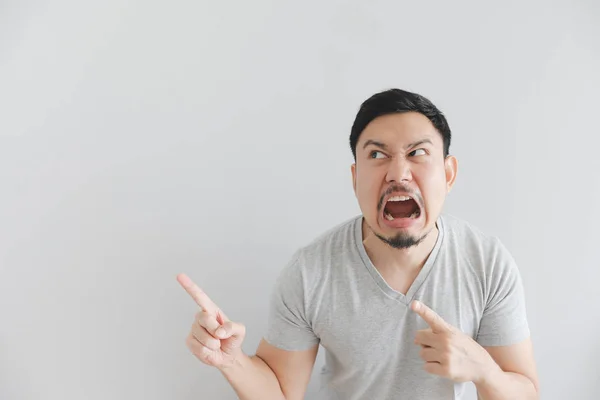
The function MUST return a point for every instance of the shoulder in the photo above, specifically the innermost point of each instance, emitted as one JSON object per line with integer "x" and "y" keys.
{"x": 487, "y": 260}
{"x": 470, "y": 238}
{"x": 485, "y": 253}
{"x": 311, "y": 260}
{"x": 464, "y": 232}
{"x": 329, "y": 243}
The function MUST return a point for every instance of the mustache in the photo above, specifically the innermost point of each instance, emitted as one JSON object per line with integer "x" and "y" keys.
{"x": 398, "y": 187}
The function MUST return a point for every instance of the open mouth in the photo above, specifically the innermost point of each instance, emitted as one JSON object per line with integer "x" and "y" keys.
{"x": 399, "y": 207}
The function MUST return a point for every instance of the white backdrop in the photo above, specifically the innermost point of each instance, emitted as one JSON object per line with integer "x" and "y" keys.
{"x": 145, "y": 139}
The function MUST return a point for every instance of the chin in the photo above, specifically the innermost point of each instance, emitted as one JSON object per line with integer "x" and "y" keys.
{"x": 403, "y": 234}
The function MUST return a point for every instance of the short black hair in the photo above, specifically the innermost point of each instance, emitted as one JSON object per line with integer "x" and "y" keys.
{"x": 394, "y": 101}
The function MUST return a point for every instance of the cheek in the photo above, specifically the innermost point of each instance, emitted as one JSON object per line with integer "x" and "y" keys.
{"x": 368, "y": 186}
{"x": 366, "y": 193}
{"x": 434, "y": 199}
{"x": 432, "y": 184}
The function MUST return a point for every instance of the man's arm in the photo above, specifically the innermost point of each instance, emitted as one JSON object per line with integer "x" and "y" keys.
{"x": 499, "y": 373}
{"x": 272, "y": 374}
{"x": 515, "y": 375}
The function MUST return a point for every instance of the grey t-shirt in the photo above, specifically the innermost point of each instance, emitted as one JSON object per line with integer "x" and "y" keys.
{"x": 331, "y": 294}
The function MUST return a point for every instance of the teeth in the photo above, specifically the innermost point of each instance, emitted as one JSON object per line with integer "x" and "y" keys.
{"x": 414, "y": 215}
{"x": 389, "y": 217}
{"x": 399, "y": 198}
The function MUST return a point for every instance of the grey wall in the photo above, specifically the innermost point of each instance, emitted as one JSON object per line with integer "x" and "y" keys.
{"x": 142, "y": 139}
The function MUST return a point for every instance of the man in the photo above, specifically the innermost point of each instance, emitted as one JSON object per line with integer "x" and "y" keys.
{"x": 366, "y": 290}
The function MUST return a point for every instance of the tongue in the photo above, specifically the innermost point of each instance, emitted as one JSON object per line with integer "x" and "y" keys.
{"x": 401, "y": 209}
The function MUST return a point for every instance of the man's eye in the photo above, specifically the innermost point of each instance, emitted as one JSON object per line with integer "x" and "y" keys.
{"x": 377, "y": 154}
{"x": 415, "y": 152}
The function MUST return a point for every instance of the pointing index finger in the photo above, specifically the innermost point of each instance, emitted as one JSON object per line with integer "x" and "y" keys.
{"x": 197, "y": 294}
{"x": 434, "y": 321}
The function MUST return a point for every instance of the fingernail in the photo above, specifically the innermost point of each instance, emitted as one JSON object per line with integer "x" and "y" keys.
{"x": 220, "y": 332}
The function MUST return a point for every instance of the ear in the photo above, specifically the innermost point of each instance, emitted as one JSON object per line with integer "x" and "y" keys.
{"x": 353, "y": 169}
{"x": 451, "y": 167}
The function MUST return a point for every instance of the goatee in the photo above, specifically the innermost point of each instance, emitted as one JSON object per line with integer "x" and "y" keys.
{"x": 402, "y": 240}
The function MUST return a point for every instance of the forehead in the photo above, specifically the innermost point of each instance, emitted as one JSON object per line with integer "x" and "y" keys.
{"x": 400, "y": 129}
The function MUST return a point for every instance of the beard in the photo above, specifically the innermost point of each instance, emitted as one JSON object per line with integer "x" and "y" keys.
{"x": 402, "y": 240}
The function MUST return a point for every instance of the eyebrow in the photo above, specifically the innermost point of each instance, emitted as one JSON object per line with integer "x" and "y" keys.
{"x": 418, "y": 143}
{"x": 384, "y": 146}
{"x": 375, "y": 143}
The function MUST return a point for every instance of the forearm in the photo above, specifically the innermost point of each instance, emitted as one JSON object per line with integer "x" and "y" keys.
{"x": 252, "y": 379}
{"x": 500, "y": 385}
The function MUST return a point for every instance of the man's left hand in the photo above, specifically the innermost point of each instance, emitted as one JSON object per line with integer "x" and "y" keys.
{"x": 450, "y": 353}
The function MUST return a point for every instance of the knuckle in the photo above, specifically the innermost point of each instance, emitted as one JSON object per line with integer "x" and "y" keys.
{"x": 446, "y": 359}
{"x": 205, "y": 351}
{"x": 210, "y": 358}
{"x": 213, "y": 344}
{"x": 208, "y": 322}
{"x": 446, "y": 341}
{"x": 200, "y": 330}
{"x": 199, "y": 333}
{"x": 197, "y": 329}
{"x": 208, "y": 341}
{"x": 203, "y": 318}
{"x": 202, "y": 352}
{"x": 228, "y": 325}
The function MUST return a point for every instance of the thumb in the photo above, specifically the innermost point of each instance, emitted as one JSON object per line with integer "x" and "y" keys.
{"x": 231, "y": 334}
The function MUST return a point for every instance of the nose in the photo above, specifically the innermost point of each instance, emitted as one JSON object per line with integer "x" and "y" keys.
{"x": 399, "y": 171}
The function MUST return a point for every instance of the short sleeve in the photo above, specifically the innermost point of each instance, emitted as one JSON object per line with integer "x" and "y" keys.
{"x": 504, "y": 319}
{"x": 288, "y": 327}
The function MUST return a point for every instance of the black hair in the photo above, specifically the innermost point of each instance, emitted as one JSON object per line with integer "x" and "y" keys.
{"x": 394, "y": 101}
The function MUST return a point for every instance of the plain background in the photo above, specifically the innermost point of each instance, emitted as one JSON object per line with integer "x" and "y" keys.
{"x": 142, "y": 139}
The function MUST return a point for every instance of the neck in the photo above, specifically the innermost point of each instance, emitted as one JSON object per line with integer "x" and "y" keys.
{"x": 385, "y": 257}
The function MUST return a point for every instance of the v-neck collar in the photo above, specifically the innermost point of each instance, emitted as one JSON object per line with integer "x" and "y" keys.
{"x": 383, "y": 285}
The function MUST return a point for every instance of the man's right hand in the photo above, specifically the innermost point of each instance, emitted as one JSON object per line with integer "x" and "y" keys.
{"x": 213, "y": 339}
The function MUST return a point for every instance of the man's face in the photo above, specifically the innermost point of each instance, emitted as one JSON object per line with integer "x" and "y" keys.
{"x": 401, "y": 177}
